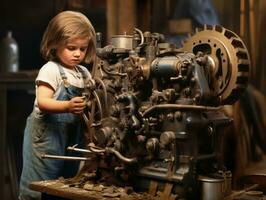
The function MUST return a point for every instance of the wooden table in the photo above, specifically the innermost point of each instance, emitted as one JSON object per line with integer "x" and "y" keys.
{"x": 57, "y": 189}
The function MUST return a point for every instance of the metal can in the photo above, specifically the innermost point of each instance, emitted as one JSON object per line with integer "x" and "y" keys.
{"x": 211, "y": 188}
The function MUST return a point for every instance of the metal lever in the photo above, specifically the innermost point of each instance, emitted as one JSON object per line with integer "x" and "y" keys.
{"x": 73, "y": 148}
{"x": 44, "y": 156}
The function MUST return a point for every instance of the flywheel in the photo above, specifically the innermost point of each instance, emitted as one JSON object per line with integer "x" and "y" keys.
{"x": 229, "y": 58}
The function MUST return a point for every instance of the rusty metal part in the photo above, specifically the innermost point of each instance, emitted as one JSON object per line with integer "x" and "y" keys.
{"x": 121, "y": 157}
{"x": 99, "y": 150}
{"x": 228, "y": 57}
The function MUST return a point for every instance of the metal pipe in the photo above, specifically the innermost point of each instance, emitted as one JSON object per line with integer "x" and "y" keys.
{"x": 98, "y": 104}
{"x": 141, "y": 36}
{"x": 104, "y": 92}
{"x": 44, "y": 156}
{"x": 179, "y": 107}
{"x": 96, "y": 149}
{"x": 121, "y": 157}
{"x": 85, "y": 118}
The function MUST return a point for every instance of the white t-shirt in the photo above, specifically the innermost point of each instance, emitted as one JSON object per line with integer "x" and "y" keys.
{"x": 49, "y": 73}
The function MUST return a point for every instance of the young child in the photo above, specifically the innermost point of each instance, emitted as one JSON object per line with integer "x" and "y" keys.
{"x": 56, "y": 121}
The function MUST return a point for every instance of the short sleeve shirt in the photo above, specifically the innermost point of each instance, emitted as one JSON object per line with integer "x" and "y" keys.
{"x": 50, "y": 74}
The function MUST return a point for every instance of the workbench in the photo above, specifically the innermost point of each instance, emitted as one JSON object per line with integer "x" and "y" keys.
{"x": 57, "y": 189}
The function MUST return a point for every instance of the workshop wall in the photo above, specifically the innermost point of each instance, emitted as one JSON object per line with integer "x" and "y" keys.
{"x": 28, "y": 20}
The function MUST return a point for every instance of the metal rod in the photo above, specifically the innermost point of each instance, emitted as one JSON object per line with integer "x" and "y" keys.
{"x": 121, "y": 157}
{"x": 96, "y": 150}
{"x": 104, "y": 92}
{"x": 73, "y": 148}
{"x": 98, "y": 101}
{"x": 64, "y": 157}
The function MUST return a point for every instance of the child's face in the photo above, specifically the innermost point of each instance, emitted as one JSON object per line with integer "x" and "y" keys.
{"x": 73, "y": 52}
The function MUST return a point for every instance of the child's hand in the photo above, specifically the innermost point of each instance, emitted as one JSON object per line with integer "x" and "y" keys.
{"x": 76, "y": 105}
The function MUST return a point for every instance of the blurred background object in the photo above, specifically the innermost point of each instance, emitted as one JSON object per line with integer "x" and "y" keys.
{"x": 9, "y": 54}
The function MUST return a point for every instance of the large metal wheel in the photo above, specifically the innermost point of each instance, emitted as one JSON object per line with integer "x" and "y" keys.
{"x": 229, "y": 60}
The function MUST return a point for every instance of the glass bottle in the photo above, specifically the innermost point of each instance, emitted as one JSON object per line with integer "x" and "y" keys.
{"x": 9, "y": 54}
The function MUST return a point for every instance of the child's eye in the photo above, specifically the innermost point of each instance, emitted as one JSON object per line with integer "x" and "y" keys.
{"x": 83, "y": 49}
{"x": 71, "y": 48}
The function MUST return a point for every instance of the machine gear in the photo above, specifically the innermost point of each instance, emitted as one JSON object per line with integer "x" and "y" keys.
{"x": 228, "y": 57}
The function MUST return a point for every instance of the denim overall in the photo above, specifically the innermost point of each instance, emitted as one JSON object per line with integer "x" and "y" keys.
{"x": 51, "y": 135}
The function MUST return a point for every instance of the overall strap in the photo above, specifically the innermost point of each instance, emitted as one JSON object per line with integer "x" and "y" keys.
{"x": 63, "y": 76}
{"x": 83, "y": 73}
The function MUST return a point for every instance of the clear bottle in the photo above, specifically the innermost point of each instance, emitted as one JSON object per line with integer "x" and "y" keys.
{"x": 9, "y": 54}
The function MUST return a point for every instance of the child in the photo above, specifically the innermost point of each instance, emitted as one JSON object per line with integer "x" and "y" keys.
{"x": 55, "y": 122}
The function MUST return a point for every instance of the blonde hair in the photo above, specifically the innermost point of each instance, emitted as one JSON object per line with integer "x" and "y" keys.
{"x": 64, "y": 26}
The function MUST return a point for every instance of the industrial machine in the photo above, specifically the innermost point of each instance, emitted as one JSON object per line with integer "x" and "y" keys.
{"x": 154, "y": 116}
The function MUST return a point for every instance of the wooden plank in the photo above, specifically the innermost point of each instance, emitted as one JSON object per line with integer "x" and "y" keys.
{"x": 252, "y": 31}
{"x": 153, "y": 188}
{"x": 242, "y": 19}
{"x": 127, "y": 16}
{"x": 57, "y": 188}
{"x": 112, "y": 18}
